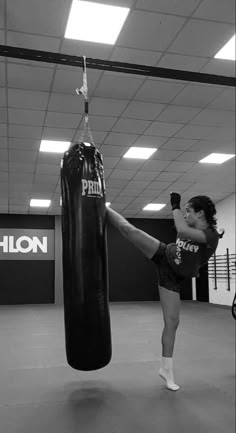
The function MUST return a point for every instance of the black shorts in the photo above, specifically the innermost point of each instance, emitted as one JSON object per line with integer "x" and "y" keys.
{"x": 167, "y": 278}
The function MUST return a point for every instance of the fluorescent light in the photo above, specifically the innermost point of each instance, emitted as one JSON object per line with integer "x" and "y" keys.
{"x": 153, "y": 206}
{"x": 228, "y": 51}
{"x": 217, "y": 158}
{"x": 95, "y": 22}
{"x": 54, "y": 146}
{"x": 40, "y": 203}
{"x": 140, "y": 152}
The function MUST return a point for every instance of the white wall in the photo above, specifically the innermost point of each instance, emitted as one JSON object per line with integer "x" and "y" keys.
{"x": 225, "y": 219}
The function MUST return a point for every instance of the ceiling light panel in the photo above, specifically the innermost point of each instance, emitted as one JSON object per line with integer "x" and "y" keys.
{"x": 153, "y": 207}
{"x": 95, "y": 22}
{"x": 140, "y": 152}
{"x": 40, "y": 203}
{"x": 228, "y": 50}
{"x": 217, "y": 158}
{"x": 54, "y": 146}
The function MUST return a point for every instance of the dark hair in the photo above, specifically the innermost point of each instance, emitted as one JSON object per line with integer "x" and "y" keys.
{"x": 202, "y": 202}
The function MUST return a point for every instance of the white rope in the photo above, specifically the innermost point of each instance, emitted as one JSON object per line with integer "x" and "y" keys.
{"x": 84, "y": 91}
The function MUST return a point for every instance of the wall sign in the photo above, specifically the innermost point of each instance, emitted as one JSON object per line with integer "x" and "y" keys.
{"x": 26, "y": 244}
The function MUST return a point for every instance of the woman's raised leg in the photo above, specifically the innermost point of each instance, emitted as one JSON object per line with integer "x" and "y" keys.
{"x": 147, "y": 244}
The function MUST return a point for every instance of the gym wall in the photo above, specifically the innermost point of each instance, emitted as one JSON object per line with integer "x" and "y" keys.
{"x": 26, "y": 272}
{"x": 132, "y": 277}
{"x": 226, "y": 219}
{"x": 36, "y": 277}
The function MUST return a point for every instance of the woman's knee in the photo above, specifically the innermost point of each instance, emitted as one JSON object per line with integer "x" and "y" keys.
{"x": 172, "y": 321}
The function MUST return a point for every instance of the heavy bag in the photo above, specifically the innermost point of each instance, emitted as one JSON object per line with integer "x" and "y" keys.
{"x": 233, "y": 309}
{"x": 84, "y": 243}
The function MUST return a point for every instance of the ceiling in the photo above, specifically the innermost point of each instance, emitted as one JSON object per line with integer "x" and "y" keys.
{"x": 185, "y": 121}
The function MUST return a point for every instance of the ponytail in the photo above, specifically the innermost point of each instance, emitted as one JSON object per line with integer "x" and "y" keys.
{"x": 221, "y": 233}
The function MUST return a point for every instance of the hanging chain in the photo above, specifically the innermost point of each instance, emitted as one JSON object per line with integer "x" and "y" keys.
{"x": 84, "y": 91}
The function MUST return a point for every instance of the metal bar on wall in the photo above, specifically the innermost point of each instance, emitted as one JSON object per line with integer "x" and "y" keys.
{"x": 107, "y": 65}
{"x": 215, "y": 271}
{"x": 222, "y": 267}
{"x": 228, "y": 270}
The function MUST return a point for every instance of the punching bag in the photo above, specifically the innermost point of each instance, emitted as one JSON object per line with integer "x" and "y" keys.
{"x": 233, "y": 309}
{"x": 84, "y": 243}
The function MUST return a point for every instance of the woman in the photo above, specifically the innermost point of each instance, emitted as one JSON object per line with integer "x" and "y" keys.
{"x": 197, "y": 240}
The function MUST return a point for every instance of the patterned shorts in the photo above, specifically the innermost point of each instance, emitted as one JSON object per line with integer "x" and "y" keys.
{"x": 167, "y": 278}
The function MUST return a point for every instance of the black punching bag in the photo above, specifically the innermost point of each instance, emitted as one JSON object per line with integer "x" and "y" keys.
{"x": 84, "y": 242}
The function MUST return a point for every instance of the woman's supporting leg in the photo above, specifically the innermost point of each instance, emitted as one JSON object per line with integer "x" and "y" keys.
{"x": 170, "y": 302}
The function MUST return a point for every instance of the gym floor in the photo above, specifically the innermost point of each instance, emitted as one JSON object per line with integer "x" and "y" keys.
{"x": 40, "y": 393}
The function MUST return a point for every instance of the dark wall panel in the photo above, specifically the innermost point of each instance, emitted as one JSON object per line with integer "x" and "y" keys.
{"x": 202, "y": 285}
{"x": 27, "y": 221}
{"x": 27, "y": 281}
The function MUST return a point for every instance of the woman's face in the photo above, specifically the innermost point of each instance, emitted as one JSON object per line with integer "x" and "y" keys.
{"x": 191, "y": 217}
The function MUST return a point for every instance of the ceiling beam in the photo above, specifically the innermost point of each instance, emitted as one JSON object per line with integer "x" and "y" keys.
{"x": 107, "y": 65}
